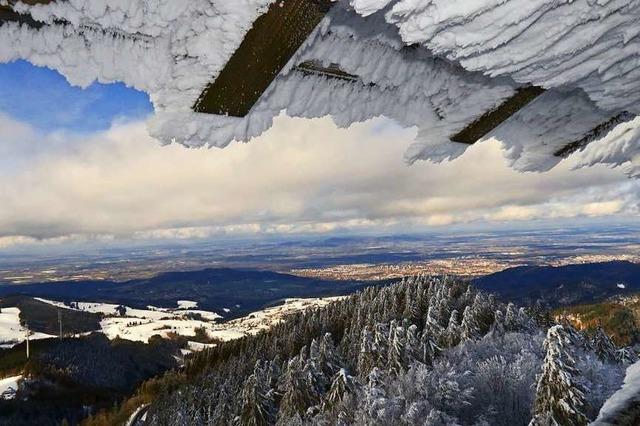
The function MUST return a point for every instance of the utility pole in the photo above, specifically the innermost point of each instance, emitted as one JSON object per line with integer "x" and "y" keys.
{"x": 60, "y": 322}
{"x": 26, "y": 325}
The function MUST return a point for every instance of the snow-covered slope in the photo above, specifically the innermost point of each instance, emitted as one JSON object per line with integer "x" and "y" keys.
{"x": 437, "y": 65}
{"x": 140, "y": 324}
{"x": 266, "y": 318}
{"x": 11, "y": 331}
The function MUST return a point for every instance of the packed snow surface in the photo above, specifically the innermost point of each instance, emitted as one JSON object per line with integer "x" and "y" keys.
{"x": 435, "y": 65}
{"x": 11, "y": 330}
{"x": 625, "y": 398}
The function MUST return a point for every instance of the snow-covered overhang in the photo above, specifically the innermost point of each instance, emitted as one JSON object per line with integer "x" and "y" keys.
{"x": 547, "y": 78}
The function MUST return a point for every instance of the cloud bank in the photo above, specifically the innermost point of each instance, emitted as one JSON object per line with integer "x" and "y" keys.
{"x": 302, "y": 176}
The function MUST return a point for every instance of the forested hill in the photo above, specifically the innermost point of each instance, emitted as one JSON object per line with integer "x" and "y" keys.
{"x": 220, "y": 290}
{"x": 563, "y": 285}
{"x": 423, "y": 351}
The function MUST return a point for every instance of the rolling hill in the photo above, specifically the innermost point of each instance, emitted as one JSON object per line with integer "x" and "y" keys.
{"x": 563, "y": 285}
{"x": 231, "y": 292}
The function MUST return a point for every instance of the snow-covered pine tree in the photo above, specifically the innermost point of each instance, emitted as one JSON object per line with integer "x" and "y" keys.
{"x": 469, "y": 328}
{"x": 626, "y": 356}
{"x": 432, "y": 323}
{"x": 297, "y": 394}
{"x": 497, "y": 328}
{"x": 452, "y": 334}
{"x": 412, "y": 349}
{"x": 395, "y": 353}
{"x": 602, "y": 345}
{"x": 366, "y": 356}
{"x": 258, "y": 407}
{"x": 560, "y": 399}
{"x": 381, "y": 344}
{"x": 511, "y": 318}
{"x": 342, "y": 385}
{"x": 429, "y": 347}
{"x": 329, "y": 360}
{"x": 377, "y": 407}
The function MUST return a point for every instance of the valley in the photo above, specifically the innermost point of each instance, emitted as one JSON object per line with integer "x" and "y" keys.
{"x": 167, "y": 330}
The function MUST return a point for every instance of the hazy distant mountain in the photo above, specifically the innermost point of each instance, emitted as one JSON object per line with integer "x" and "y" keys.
{"x": 563, "y": 285}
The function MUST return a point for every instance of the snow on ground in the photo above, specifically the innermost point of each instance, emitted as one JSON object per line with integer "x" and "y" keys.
{"x": 9, "y": 386}
{"x": 625, "y": 399}
{"x": 11, "y": 331}
{"x": 141, "y": 324}
{"x": 436, "y": 65}
{"x": 197, "y": 346}
{"x": 183, "y": 310}
{"x": 263, "y": 320}
{"x": 141, "y": 329}
{"x": 187, "y": 304}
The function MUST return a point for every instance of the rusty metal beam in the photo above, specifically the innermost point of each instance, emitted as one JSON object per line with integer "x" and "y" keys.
{"x": 333, "y": 71}
{"x": 492, "y": 119}
{"x": 265, "y": 50}
{"x": 7, "y": 14}
{"x": 597, "y": 132}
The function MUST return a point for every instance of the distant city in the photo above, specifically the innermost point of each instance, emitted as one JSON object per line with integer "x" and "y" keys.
{"x": 337, "y": 257}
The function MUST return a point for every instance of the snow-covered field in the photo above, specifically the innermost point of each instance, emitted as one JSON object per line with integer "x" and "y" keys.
{"x": 140, "y": 324}
{"x": 8, "y": 386}
{"x": 263, "y": 320}
{"x": 11, "y": 331}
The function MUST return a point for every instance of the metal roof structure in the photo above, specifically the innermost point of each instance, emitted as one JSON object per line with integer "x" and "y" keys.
{"x": 278, "y": 34}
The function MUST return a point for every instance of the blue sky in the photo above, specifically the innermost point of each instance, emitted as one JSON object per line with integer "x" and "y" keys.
{"x": 44, "y": 99}
{"x": 79, "y": 165}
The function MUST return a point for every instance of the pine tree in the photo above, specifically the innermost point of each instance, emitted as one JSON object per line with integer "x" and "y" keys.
{"x": 602, "y": 345}
{"x": 381, "y": 343}
{"x": 396, "y": 348}
{"x": 412, "y": 349}
{"x": 258, "y": 407}
{"x": 329, "y": 360}
{"x": 432, "y": 323}
{"x": 498, "y": 328}
{"x": 429, "y": 347}
{"x": 297, "y": 394}
{"x": 560, "y": 399}
{"x": 469, "y": 328}
{"x": 626, "y": 356}
{"x": 511, "y": 318}
{"x": 375, "y": 395}
{"x": 342, "y": 385}
{"x": 366, "y": 356}
{"x": 453, "y": 332}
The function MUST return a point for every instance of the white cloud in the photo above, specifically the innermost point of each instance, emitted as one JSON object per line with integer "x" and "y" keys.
{"x": 302, "y": 176}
